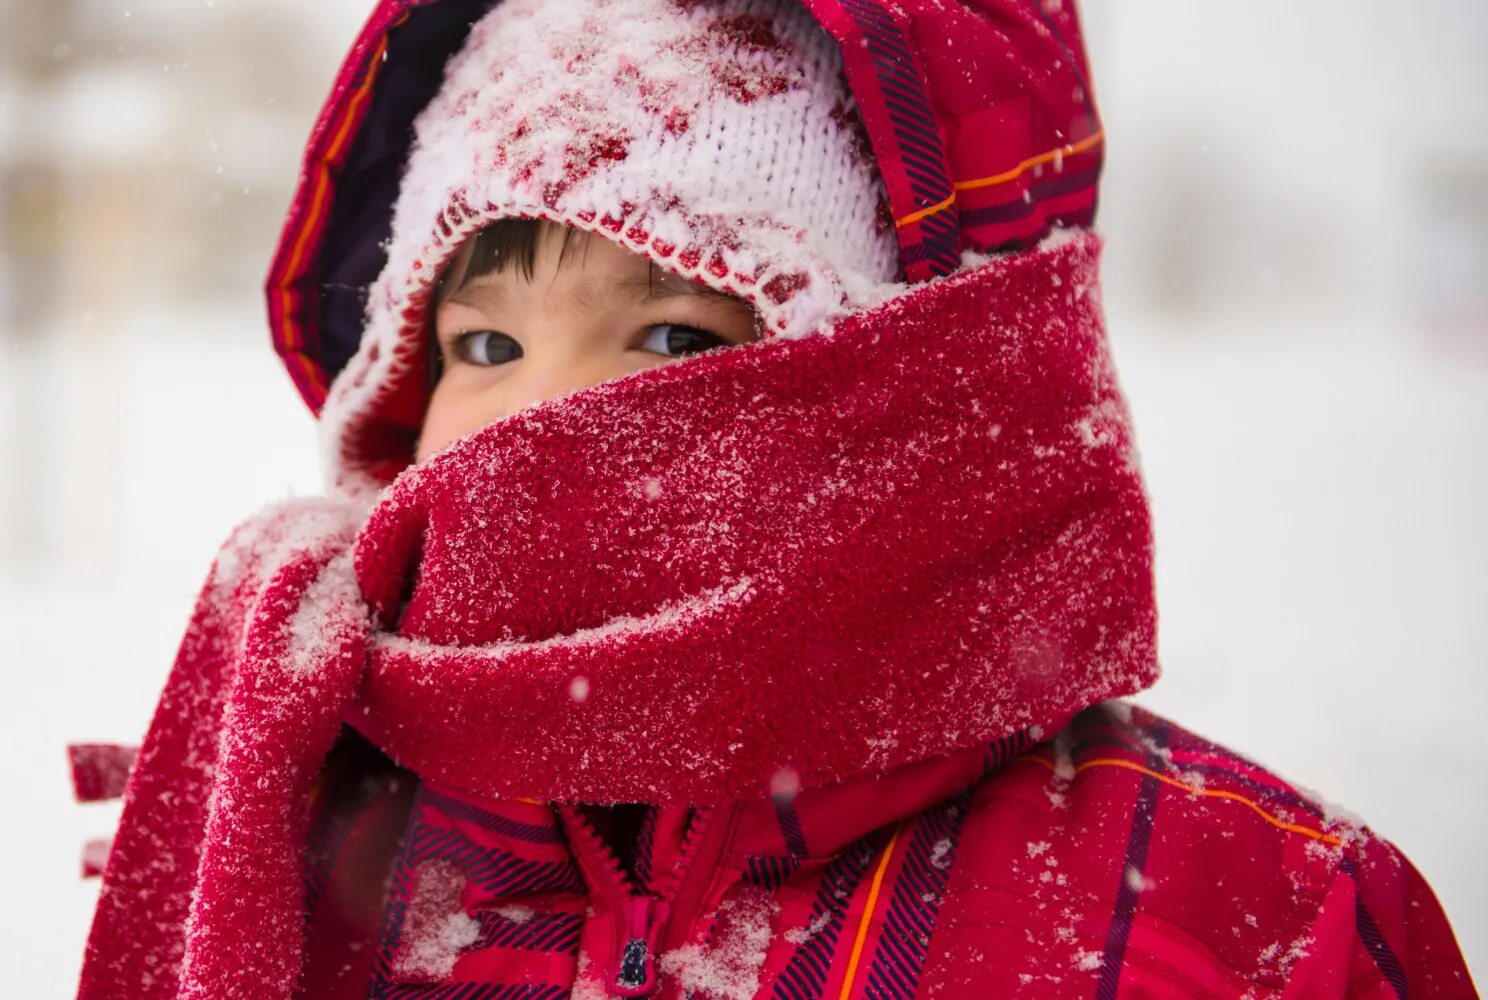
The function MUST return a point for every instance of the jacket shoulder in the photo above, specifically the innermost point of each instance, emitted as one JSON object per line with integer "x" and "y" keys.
{"x": 1127, "y": 850}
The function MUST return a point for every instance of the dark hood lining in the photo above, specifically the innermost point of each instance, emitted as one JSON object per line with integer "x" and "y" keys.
{"x": 351, "y": 254}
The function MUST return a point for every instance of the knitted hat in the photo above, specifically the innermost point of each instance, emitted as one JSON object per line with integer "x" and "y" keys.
{"x": 716, "y": 137}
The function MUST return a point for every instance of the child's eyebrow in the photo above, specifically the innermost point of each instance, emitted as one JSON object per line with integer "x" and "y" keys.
{"x": 475, "y": 294}
{"x": 638, "y": 289}
{"x": 631, "y": 290}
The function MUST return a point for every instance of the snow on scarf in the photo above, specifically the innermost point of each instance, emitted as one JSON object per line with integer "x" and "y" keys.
{"x": 765, "y": 568}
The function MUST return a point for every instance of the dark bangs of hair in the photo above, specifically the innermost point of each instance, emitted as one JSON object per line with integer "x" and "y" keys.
{"x": 503, "y": 244}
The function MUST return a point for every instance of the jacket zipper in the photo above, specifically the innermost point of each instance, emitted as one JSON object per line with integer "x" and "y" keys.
{"x": 643, "y": 915}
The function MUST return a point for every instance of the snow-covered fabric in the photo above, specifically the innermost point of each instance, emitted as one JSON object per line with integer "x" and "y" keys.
{"x": 758, "y": 570}
{"x": 99, "y": 770}
{"x": 1122, "y": 856}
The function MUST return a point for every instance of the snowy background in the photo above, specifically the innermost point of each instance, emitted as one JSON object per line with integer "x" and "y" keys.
{"x": 1296, "y": 201}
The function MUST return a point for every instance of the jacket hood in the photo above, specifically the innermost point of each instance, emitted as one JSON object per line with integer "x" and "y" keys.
{"x": 982, "y": 146}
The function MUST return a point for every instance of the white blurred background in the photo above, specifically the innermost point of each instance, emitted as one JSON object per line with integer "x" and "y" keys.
{"x": 1296, "y": 202}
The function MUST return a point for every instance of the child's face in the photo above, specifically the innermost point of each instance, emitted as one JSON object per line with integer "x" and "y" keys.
{"x": 508, "y": 341}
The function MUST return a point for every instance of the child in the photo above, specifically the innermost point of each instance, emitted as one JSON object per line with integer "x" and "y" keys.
{"x": 733, "y": 547}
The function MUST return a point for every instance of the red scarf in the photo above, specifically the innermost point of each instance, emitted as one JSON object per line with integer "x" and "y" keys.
{"x": 769, "y": 567}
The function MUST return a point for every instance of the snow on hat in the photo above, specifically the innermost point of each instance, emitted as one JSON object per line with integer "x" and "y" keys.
{"x": 716, "y": 137}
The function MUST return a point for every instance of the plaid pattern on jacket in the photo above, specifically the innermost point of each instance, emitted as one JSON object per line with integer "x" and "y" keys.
{"x": 1123, "y": 857}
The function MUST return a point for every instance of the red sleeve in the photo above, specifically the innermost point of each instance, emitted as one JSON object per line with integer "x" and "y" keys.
{"x": 1403, "y": 936}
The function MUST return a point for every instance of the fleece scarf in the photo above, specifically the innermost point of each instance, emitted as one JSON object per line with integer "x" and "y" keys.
{"x": 761, "y": 569}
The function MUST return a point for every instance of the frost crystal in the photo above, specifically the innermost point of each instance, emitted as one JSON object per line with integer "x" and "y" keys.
{"x": 800, "y": 935}
{"x": 728, "y": 969}
{"x": 1137, "y": 881}
{"x": 438, "y": 928}
{"x": 940, "y": 855}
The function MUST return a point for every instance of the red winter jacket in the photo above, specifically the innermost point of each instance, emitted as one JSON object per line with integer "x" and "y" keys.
{"x": 1125, "y": 856}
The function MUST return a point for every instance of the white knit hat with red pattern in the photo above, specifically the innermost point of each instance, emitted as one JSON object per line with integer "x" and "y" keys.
{"x": 716, "y": 137}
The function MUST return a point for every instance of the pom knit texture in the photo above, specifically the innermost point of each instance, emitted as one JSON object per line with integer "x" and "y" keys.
{"x": 717, "y": 139}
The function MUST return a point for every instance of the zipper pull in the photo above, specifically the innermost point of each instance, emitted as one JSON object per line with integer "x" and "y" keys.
{"x": 635, "y": 968}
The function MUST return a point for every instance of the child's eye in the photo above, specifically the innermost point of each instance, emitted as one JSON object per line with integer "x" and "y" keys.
{"x": 486, "y": 347}
{"x": 676, "y": 340}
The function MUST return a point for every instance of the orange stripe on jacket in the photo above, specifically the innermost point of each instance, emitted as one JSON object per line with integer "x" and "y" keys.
{"x": 1214, "y": 793}
{"x": 1069, "y": 149}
